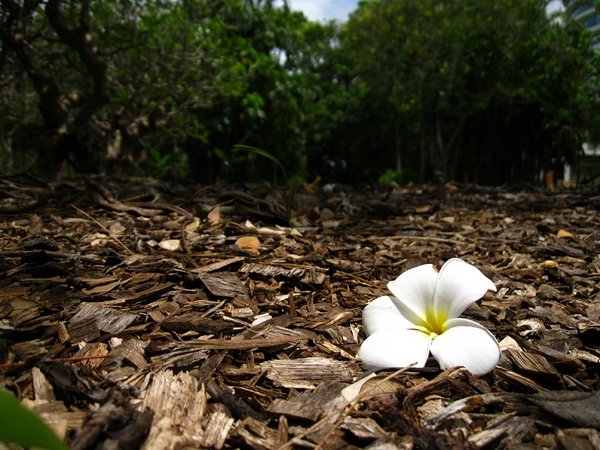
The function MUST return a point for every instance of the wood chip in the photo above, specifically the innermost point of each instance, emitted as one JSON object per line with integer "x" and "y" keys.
{"x": 312, "y": 275}
{"x": 179, "y": 406}
{"x": 224, "y": 284}
{"x": 216, "y": 430}
{"x": 312, "y": 405}
{"x": 247, "y": 346}
{"x": 306, "y": 373}
{"x": 196, "y": 322}
{"x": 91, "y": 319}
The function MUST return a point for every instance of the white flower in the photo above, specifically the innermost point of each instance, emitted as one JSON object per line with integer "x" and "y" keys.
{"x": 422, "y": 316}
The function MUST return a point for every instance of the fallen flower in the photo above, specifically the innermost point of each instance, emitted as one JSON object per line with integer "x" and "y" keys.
{"x": 422, "y": 316}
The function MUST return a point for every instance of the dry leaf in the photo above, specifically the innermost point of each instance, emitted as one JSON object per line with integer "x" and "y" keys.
{"x": 193, "y": 225}
{"x": 214, "y": 216}
{"x": 564, "y": 234}
{"x": 99, "y": 240}
{"x": 352, "y": 391}
{"x": 327, "y": 214}
{"x": 379, "y": 385}
{"x": 170, "y": 244}
{"x": 117, "y": 229}
{"x": 371, "y": 386}
{"x": 423, "y": 209}
{"x": 249, "y": 244}
{"x": 312, "y": 186}
{"x": 550, "y": 264}
{"x": 330, "y": 224}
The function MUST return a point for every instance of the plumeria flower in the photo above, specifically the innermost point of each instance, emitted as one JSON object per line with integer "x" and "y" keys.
{"x": 422, "y": 316}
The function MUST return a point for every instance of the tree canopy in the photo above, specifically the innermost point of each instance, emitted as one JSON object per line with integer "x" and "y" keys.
{"x": 487, "y": 92}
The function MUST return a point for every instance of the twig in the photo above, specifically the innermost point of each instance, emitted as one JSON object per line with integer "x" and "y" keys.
{"x": 53, "y": 254}
{"x": 357, "y": 278}
{"x": 106, "y": 230}
{"x": 186, "y": 246}
{"x": 69, "y": 359}
{"x": 246, "y": 344}
{"x": 418, "y": 238}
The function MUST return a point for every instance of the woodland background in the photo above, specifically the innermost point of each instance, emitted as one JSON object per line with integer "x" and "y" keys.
{"x": 485, "y": 92}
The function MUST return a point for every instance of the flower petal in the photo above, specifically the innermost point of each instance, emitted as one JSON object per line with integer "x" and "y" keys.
{"x": 395, "y": 348}
{"x": 414, "y": 292}
{"x": 468, "y": 344}
{"x": 458, "y": 285}
{"x": 382, "y": 314}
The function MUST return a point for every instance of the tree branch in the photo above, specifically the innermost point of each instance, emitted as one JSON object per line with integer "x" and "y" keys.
{"x": 80, "y": 40}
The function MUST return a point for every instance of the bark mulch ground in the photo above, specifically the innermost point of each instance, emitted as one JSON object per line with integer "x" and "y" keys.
{"x": 142, "y": 314}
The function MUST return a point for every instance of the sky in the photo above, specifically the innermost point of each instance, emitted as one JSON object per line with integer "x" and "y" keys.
{"x": 340, "y": 9}
{"x": 325, "y": 9}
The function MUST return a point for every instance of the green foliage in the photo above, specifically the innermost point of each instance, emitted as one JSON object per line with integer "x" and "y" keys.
{"x": 21, "y": 426}
{"x": 401, "y": 178}
{"x": 172, "y": 165}
{"x": 450, "y": 85}
{"x": 451, "y": 89}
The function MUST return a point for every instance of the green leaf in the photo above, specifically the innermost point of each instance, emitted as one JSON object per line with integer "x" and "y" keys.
{"x": 18, "y": 425}
{"x": 263, "y": 153}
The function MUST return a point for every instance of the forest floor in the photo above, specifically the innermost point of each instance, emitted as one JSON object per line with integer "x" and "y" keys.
{"x": 143, "y": 314}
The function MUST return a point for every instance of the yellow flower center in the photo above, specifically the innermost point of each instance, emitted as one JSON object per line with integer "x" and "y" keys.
{"x": 435, "y": 321}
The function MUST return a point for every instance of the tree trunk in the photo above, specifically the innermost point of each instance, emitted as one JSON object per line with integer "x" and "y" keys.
{"x": 398, "y": 147}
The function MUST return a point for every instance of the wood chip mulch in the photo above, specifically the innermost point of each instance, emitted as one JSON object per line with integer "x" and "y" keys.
{"x": 143, "y": 314}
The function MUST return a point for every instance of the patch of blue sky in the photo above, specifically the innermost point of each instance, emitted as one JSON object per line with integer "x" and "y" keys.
{"x": 324, "y": 10}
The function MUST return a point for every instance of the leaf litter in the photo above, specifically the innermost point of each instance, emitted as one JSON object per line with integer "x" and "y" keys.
{"x": 143, "y": 314}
